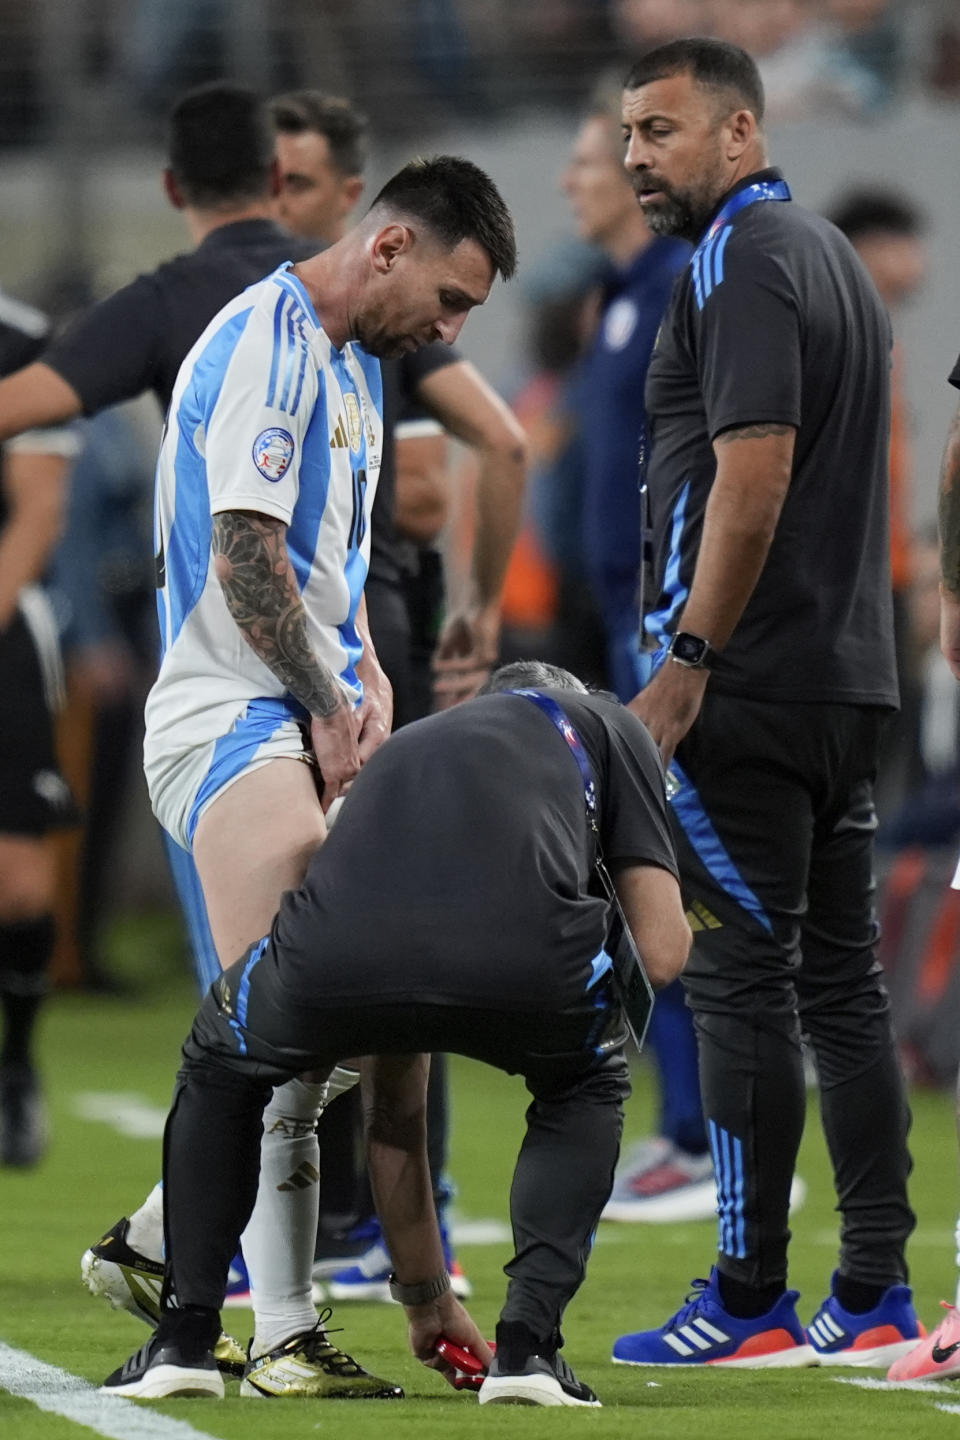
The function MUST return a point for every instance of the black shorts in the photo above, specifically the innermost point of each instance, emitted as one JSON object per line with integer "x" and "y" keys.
{"x": 255, "y": 1021}
{"x": 34, "y": 797}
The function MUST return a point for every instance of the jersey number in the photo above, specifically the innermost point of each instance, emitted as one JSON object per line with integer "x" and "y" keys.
{"x": 358, "y": 525}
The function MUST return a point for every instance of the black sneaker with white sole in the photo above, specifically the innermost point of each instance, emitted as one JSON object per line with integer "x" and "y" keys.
{"x": 528, "y": 1371}
{"x": 161, "y": 1369}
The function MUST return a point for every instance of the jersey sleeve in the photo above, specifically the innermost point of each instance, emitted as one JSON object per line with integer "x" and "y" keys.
{"x": 109, "y": 353}
{"x": 258, "y": 419}
{"x": 634, "y": 825}
{"x": 746, "y": 336}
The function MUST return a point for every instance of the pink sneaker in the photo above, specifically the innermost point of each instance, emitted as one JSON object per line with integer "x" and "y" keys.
{"x": 935, "y": 1358}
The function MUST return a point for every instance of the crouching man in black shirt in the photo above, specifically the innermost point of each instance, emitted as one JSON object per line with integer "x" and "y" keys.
{"x": 453, "y": 907}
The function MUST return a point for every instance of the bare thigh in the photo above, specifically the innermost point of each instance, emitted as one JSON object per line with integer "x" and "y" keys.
{"x": 251, "y": 844}
{"x": 27, "y": 877}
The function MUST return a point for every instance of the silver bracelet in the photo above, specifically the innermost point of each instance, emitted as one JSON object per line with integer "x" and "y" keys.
{"x": 422, "y": 1293}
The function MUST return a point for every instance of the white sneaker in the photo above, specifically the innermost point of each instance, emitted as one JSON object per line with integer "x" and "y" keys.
{"x": 659, "y": 1183}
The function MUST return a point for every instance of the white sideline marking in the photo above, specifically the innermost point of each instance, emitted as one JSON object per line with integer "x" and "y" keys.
{"x": 930, "y": 1387}
{"x": 948, "y": 1409}
{"x": 61, "y": 1393}
{"x": 480, "y": 1232}
{"x": 129, "y": 1114}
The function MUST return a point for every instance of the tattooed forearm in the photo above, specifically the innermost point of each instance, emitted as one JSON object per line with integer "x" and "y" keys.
{"x": 948, "y": 510}
{"x": 260, "y": 589}
{"x": 752, "y": 432}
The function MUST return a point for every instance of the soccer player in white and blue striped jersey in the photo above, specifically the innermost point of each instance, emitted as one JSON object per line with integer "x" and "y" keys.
{"x": 269, "y": 696}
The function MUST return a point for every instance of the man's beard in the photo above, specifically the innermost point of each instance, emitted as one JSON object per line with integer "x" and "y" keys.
{"x": 671, "y": 216}
{"x": 684, "y": 214}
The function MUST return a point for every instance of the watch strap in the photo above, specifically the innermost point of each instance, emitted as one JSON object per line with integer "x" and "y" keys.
{"x": 421, "y": 1293}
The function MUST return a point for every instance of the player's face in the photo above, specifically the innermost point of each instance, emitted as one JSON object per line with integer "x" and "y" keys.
{"x": 675, "y": 153}
{"x": 426, "y": 295}
{"x": 315, "y": 198}
{"x": 599, "y": 193}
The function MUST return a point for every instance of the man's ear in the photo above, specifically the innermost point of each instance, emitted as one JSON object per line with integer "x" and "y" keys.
{"x": 741, "y": 132}
{"x": 351, "y": 191}
{"x": 276, "y": 178}
{"x": 172, "y": 190}
{"x": 388, "y": 245}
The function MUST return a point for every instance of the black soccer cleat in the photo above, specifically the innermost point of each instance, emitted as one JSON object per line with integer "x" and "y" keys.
{"x": 528, "y": 1371}
{"x": 161, "y": 1369}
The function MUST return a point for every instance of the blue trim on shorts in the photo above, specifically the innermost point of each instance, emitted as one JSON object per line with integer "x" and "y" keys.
{"x": 713, "y": 854}
{"x": 234, "y": 751}
{"x": 206, "y": 961}
{"x": 243, "y": 993}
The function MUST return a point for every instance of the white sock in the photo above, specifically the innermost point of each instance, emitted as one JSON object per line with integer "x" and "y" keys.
{"x": 146, "y": 1225}
{"x": 342, "y": 1079}
{"x": 956, "y": 1238}
{"x": 279, "y": 1240}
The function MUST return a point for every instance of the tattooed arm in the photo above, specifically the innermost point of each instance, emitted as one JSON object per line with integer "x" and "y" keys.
{"x": 948, "y": 511}
{"x": 754, "y": 464}
{"x": 262, "y": 595}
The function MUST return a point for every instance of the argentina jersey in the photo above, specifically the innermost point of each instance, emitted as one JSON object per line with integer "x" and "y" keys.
{"x": 267, "y": 417}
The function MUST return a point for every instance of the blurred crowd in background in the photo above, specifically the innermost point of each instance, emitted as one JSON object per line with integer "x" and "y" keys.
{"x": 112, "y": 68}
{"x": 416, "y": 64}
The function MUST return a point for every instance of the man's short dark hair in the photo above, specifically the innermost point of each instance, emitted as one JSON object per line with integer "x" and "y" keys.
{"x": 714, "y": 64}
{"x": 304, "y": 112}
{"x": 221, "y": 145}
{"x": 457, "y": 201}
{"x": 531, "y": 675}
{"x": 876, "y": 212}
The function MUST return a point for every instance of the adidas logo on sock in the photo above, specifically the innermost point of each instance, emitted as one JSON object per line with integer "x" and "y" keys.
{"x": 302, "y": 1178}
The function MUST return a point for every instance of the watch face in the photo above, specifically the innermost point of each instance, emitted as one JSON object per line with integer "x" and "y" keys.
{"x": 689, "y": 648}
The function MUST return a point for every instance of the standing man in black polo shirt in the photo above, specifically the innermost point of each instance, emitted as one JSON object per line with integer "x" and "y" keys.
{"x": 768, "y": 396}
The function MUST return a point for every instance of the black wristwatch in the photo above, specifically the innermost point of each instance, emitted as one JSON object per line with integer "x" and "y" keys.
{"x": 691, "y": 650}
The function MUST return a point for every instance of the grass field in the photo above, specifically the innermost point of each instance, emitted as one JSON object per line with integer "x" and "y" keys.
{"x": 95, "y": 1046}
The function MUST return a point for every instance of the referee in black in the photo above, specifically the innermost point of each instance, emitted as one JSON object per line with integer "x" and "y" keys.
{"x": 772, "y": 675}
{"x": 452, "y": 908}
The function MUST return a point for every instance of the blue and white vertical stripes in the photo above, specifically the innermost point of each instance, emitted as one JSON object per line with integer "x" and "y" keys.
{"x": 731, "y": 1191}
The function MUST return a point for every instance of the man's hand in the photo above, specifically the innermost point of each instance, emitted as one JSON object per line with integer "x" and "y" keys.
{"x": 465, "y": 654}
{"x": 950, "y": 628}
{"x": 334, "y": 739}
{"x": 444, "y": 1317}
{"x": 376, "y": 710}
{"x": 670, "y": 704}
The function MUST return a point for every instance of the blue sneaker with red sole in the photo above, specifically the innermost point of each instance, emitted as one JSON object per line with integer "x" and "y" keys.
{"x": 703, "y": 1332}
{"x": 877, "y": 1337}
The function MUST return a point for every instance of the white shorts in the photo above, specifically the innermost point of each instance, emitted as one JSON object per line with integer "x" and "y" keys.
{"x": 183, "y": 783}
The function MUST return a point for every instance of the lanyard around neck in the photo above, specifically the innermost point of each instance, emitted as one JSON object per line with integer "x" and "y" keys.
{"x": 754, "y": 194}
{"x": 561, "y": 720}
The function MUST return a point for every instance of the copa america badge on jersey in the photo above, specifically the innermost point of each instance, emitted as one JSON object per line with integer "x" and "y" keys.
{"x": 272, "y": 453}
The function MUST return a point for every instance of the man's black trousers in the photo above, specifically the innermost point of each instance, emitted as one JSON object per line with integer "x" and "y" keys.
{"x": 572, "y": 1061}
{"x": 774, "y": 822}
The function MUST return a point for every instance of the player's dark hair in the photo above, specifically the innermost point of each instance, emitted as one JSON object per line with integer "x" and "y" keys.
{"x": 310, "y": 111}
{"x": 220, "y": 145}
{"x": 714, "y": 64}
{"x": 531, "y": 675}
{"x": 877, "y": 211}
{"x": 457, "y": 201}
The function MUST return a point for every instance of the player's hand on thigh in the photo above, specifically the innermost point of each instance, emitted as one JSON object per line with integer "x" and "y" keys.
{"x": 335, "y": 744}
{"x": 444, "y": 1318}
